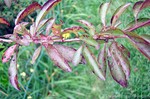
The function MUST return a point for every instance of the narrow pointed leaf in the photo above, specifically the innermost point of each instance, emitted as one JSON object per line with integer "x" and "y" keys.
{"x": 136, "y": 8}
{"x": 4, "y": 21}
{"x": 8, "y": 3}
{"x": 102, "y": 57}
{"x": 142, "y": 45}
{"x": 57, "y": 58}
{"x": 138, "y": 24}
{"x": 13, "y": 72}
{"x": 92, "y": 62}
{"x": 31, "y": 8}
{"x": 65, "y": 51}
{"x": 116, "y": 68}
{"x": 145, "y": 4}
{"x": 45, "y": 9}
{"x": 8, "y": 53}
{"x": 74, "y": 29}
{"x": 90, "y": 41}
{"x": 103, "y": 11}
{"x": 49, "y": 26}
{"x": 89, "y": 25}
{"x": 118, "y": 13}
{"x": 146, "y": 37}
{"x": 77, "y": 57}
{"x": 36, "y": 54}
{"x": 124, "y": 50}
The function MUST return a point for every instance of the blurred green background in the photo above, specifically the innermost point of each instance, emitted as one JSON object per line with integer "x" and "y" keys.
{"x": 43, "y": 80}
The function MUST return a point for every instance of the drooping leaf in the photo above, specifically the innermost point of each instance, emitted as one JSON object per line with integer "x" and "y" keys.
{"x": 65, "y": 51}
{"x": 103, "y": 11}
{"x": 142, "y": 45}
{"x": 90, "y": 41}
{"x": 89, "y": 25}
{"x": 124, "y": 50}
{"x": 45, "y": 9}
{"x": 138, "y": 24}
{"x": 74, "y": 29}
{"x": 49, "y": 26}
{"x": 13, "y": 72}
{"x": 92, "y": 62}
{"x": 140, "y": 5}
{"x": 146, "y": 37}
{"x": 102, "y": 57}
{"x": 8, "y": 53}
{"x": 8, "y": 3}
{"x": 116, "y": 68}
{"x": 118, "y": 13}
{"x": 77, "y": 56}
{"x": 122, "y": 58}
{"x": 4, "y": 21}
{"x": 31, "y": 8}
{"x": 36, "y": 54}
{"x": 57, "y": 58}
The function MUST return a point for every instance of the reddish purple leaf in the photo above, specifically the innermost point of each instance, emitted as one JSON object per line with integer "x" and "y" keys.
{"x": 45, "y": 9}
{"x": 8, "y": 53}
{"x": 4, "y": 21}
{"x": 146, "y": 37}
{"x": 142, "y": 45}
{"x": 31, "y": 8}
{"x": 36, "y": 54}
{"x": 49, "y": 26}
{"x": 57, "y": 58}
{"x": 115, "y": 67}
{"x": 102, "y": 57}
{"x": 124, "y": 50}
{"x": 13, "y": 72}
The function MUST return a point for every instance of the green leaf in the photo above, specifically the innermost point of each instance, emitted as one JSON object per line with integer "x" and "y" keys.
{"x": 13, "y": 72}
{"x": 92, "y": 62}
{"x": 4, "y": 21}
{"x": 103, "y": 11}
{"x": 102, "y": 57}
{"x": 89, "y": 25}
{"x": 31, "y": 8}
{"x": 90, "y": 41}
{"x": 45, "y": 9}
{"x": 115, "y": 67}
{"x": 118, "y": 13}
{"x": 57, "y": 58}
{"x": 77, "y": 57}
{"x": 138, "y": 24}
{"x": 142, "y": 45}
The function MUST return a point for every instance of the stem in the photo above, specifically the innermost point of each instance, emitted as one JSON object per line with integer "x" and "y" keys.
{"x": 3, "y": 93}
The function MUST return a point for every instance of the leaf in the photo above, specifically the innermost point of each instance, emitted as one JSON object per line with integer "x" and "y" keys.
{"x": 77, "y": 57}
{"x": 8, "y": 53}
{"x": 139, "y": 43}
{"x": 57, "y": 58}
{"x": 74, "y": 29}
{"x": 103, "y": 11}
{"x": 90, "y": 41}
{"x": 146, "y": 37}
{"x": 123, "y": 59}
{"x": 13, "y": 72}
{"x": 102, "y": 59}
{"x": 36, "y": 54}
{"x": 92, "y": 62}
{"x": 116, "y": 68}
{"x": 65, "y": 51}
{"x": 49, "y": 26}
{"x": 45, "y": 9}
{"x": 4, "y": 21}
{"x": 136, "y": 8}
{"x": 118, "y": 13}
{"x": 140, "y": 5}
{"x": 31, "y": 8}
{"x": 138, "y": 24}
{"x": 56, "y": 29}
{"x": 89, "y": 25}
{"x": 124, "y": 50}
{"x": 8, "y": 3}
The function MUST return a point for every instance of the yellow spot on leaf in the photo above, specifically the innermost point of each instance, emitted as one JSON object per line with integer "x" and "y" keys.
{"x": 66, "y": 35}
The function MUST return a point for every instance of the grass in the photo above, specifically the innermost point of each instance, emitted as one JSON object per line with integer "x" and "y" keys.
{"x": 49, "y": 82}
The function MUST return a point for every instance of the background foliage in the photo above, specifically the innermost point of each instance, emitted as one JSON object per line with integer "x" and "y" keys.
{"x": 44, "y": 80}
